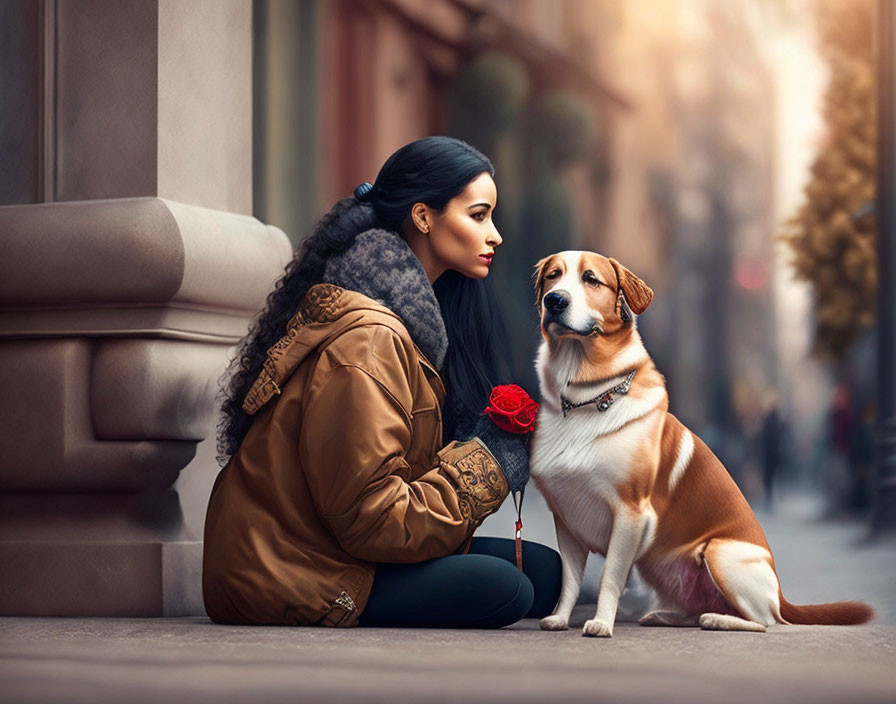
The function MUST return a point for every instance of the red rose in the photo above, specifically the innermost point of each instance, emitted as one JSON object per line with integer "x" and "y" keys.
{"x": 512, "y": 409}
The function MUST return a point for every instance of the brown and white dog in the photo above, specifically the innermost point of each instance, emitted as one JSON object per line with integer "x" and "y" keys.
{"x": 624, "y": 478}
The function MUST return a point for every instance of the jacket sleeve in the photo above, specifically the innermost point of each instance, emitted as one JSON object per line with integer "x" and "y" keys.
{"x": 356, "y": 431}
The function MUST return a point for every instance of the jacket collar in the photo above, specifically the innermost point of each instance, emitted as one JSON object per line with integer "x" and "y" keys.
{"x": 326, "y": 311}
{"x": 382, "y": 266}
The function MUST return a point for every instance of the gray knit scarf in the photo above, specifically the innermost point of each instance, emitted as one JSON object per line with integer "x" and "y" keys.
{"x": 381, "y": 265}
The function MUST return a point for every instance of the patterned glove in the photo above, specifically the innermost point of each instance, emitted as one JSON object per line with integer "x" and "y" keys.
{"x": 510, "y": 449}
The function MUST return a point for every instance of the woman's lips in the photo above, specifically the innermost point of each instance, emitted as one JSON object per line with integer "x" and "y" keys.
{"x": 487, "y": 258}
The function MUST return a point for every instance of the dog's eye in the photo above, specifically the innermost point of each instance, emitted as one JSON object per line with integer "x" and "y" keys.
{"x": 591, "y": 278}
{"x": 553, "y": 274}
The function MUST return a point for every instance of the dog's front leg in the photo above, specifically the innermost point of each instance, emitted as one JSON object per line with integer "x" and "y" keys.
{"x": 628, "y": 530}
{"x": 573, "y": 556}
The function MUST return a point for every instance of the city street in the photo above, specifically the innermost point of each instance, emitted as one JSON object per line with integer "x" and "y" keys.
{"x": 259, "y": 255}
{"x": 147, "y": 660}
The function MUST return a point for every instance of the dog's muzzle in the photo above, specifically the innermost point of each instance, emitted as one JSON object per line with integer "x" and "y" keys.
{"x": 555, "y": 305}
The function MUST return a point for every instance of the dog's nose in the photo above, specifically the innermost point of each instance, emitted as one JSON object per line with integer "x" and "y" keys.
{"x": 555, "y": 302}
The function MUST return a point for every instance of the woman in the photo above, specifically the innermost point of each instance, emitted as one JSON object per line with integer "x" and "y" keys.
{"x": 344, "y": 500}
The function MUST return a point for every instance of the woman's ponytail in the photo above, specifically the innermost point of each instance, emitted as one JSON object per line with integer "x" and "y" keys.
{"x": 333, "y": 233}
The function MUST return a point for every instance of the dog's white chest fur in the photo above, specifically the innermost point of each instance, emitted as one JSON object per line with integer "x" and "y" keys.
{"x": 578, "y": 473}
{"x": 578, "y": 461}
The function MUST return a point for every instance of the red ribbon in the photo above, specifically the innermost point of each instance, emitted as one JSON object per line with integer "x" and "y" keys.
{"x": 519, "y": 527}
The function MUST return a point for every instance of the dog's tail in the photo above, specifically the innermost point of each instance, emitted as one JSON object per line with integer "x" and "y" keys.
{"x": 838, "y": 613}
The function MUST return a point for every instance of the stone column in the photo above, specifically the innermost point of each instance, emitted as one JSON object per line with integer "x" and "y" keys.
{"x": 131, "y": 266}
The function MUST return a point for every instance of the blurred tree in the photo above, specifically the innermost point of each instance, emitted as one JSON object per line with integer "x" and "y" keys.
{"x": 833, "y": 245}
{"x": 485, "y": 98}
{"x": 562, "y": 129}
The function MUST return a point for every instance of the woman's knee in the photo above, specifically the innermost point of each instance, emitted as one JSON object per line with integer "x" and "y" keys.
{"x": 545, "y": 569}
{"x": 504, "y": 594}
{"x": 546, "y": 560}
{"x": 541, "y": 564}
{"x": 514, "y": 595}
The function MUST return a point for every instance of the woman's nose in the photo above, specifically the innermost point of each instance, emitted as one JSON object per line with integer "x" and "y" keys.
{"x": 495, "y": 238}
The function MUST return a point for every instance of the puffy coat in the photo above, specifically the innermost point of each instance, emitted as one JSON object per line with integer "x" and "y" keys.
{"x": 341, "y": 469}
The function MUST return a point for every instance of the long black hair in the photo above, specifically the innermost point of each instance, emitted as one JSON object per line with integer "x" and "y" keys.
{"x": 432, "y": 170}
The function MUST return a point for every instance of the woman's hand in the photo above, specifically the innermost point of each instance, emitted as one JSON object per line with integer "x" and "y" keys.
{"x": 504, "y": 427}
{"x": 510, "y": 449}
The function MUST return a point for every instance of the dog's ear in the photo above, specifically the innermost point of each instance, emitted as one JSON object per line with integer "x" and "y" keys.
{"x": 538, "y": 275}
{"x": 638, "y": 295}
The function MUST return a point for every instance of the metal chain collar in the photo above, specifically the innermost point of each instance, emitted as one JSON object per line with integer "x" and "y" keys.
{"x": 604, "y": 400}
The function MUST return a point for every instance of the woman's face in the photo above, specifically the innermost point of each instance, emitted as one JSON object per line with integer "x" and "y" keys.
{"x": 464, "y": 235}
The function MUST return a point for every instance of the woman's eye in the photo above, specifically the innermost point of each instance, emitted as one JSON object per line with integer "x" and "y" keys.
{"x": 480, "y": 216}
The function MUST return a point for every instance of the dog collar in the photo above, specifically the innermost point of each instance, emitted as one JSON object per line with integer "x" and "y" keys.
{"x": 604, "y": 400}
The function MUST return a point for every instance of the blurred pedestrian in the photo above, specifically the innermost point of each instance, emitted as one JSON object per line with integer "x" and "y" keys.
{"x": 771, "y": 447}
{"x": 842, "y": 420}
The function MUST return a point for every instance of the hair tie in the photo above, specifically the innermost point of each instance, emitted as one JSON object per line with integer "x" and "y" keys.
{"x": 362, "y": 192}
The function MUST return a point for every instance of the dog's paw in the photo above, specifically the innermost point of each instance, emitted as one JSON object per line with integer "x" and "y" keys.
{"x": 554, "y": 623}
{"x": 726, "y": 622}
{"x": 595, "y": 628}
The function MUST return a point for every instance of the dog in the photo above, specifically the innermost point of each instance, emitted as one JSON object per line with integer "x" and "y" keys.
{"x": 624, "y": 478}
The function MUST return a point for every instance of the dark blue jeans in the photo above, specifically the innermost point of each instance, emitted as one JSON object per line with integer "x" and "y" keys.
{"x": 482, "y": 589}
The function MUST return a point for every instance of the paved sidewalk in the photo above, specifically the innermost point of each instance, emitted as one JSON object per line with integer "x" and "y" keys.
{"x": 195, "y": 661}
{"x": 192, "y": 660}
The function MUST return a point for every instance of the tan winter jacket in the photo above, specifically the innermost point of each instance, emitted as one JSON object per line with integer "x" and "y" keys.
{"x": 340, "y": 469}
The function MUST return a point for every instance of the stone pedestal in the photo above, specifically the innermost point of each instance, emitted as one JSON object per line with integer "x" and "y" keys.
{"x": 117, "y": 318}
{"x": 131, "y": 266}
